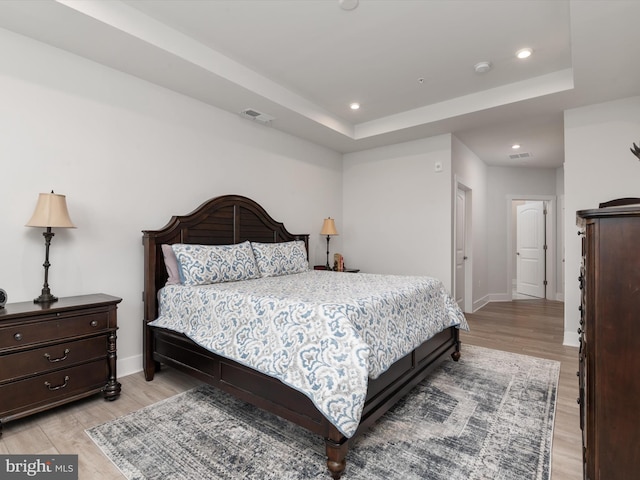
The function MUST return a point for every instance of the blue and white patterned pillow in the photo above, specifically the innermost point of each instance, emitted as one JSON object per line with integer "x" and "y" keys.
{"x": 275, "y": 259}
{"x": 205, "y": 264}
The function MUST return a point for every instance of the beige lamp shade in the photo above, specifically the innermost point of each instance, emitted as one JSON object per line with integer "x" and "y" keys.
{"x": 328, "y": 227}
{"x": 51, "y": 211}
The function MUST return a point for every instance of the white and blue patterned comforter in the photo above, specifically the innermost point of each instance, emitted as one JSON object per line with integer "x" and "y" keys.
{"x": 320, "y": 332}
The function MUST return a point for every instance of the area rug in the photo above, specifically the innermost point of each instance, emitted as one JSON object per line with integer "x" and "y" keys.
{"x": 488, "y": 416}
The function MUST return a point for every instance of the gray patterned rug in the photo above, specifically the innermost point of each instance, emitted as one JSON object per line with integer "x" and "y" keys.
{"x": 489, "y": 416}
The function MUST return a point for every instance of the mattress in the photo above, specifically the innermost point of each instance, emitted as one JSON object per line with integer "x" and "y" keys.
{"x": 323, "y": 333}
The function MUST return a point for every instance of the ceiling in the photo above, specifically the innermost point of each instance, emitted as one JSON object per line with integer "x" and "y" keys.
{"x": 409, "y": 63}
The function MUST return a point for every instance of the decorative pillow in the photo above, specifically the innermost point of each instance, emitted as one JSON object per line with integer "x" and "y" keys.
{"x": 205, "y": 264}
{"x": 276, "y": 259}
{"x": 171, "y": 263}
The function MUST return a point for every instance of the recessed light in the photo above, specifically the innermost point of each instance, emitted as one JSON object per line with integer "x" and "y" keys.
{"x": 354, "y": 106}
{"x": 515, "y": 146}
{"x": 524, "y": 53}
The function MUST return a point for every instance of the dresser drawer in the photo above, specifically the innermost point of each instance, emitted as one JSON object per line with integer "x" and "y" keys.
{"x": 53, "y": 328}
{"x": 52, "y": 357}
{"x": 51, "y": 387}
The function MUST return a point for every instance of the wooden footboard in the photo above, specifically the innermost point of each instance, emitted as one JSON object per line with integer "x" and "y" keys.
{"x": 270, "y": 394}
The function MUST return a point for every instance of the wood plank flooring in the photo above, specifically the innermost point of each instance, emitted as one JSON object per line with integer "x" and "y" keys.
{"x": 530, "y": 327}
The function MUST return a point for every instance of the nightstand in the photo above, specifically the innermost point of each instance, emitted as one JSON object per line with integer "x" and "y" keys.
{"x": 346, "y": 270}
{"x": 56, "y": 353}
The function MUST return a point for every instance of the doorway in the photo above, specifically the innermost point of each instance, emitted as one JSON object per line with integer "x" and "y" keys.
{"x": 531, "y": 252}
{"x": 462, "y": 234}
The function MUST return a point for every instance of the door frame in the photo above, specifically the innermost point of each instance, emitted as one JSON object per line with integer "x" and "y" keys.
{"x": 467, "y": 302}
{"x": 550, "y": 227}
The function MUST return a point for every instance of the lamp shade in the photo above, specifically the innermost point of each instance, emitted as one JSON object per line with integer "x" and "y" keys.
{"x": 51, "y": 211}
{"x": 328, "y": 227}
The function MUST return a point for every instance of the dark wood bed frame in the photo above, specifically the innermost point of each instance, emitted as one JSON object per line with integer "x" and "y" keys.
{"x": 232, "y": 219}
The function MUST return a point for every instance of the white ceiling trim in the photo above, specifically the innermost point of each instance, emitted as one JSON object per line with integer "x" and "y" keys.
{"x": 555, "y": 82}
{"x": 239, "y": 54}
{"x": 132, "y": 22}
{"x": 136, "y": 24}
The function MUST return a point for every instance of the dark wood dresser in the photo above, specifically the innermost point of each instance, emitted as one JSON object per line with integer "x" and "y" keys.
{"x": 56, "y": 353}
{"x": 609, "y": 359}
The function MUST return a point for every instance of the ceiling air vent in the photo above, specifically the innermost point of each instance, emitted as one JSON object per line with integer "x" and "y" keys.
{"x": 516, "y": 156}
{"x": 256, "y": 115}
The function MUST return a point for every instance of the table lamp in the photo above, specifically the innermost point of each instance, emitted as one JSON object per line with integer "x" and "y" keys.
{"x": 328, "y": 229}
{"x": 51, "y": 212}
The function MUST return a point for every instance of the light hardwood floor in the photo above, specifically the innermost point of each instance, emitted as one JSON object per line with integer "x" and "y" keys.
{"x": 531, "y": 327}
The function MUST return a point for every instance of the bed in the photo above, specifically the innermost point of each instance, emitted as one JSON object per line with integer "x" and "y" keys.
{"x": 234, "y": 220}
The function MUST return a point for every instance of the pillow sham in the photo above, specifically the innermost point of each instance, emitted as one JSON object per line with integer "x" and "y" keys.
{"x": 206, "y": 264}
{"x": 275, "y": 259}
{"x": 171, "y": 264}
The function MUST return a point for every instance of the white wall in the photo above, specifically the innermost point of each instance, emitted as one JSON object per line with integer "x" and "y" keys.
{"x": 504, "y": 183}
{"x": 397, "y": 209}
{"x": 471, "y": 172}
{"x": 128, "y": 155}
{"x": 598, "y": 167}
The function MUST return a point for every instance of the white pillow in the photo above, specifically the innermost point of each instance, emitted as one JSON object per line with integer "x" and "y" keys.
{"x": 205, "y": 264}
{"x": 276, "y": 259}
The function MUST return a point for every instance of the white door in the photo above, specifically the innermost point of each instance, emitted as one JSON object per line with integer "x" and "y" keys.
{"x": 530, "y": 257}
{"x": 460, "y": 247}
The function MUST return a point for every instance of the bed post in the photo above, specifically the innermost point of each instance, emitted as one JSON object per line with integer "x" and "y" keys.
{"x": 149, "y": 308}
{"x": 147, "y": 360}
{"x": 456, "y": 336}
{"x": 337, "y": 447}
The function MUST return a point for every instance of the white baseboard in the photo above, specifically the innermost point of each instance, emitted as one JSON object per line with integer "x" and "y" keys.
{"x": 560, "y": 297}
{"x": 571, "y": 339}
{"x": 500, "y": 297}
{"x": 129, "y": 365}
{"x": 478, "y": 304}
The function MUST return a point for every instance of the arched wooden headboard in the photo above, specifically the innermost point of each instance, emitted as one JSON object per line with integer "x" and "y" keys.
{"x": 222, "y": 220}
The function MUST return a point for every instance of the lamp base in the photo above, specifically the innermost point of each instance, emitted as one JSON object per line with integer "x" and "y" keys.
{"x": 45, "y": 295}
{"x": 45, "y": 298}
{"x": 328, "y": 266}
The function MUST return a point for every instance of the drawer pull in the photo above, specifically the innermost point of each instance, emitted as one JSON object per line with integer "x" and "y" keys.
{"x": 94, "y": 323}
{"x": 48, "y": 385}
{"x": 54, "y": 360}
{"x": 18, "y": 336}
